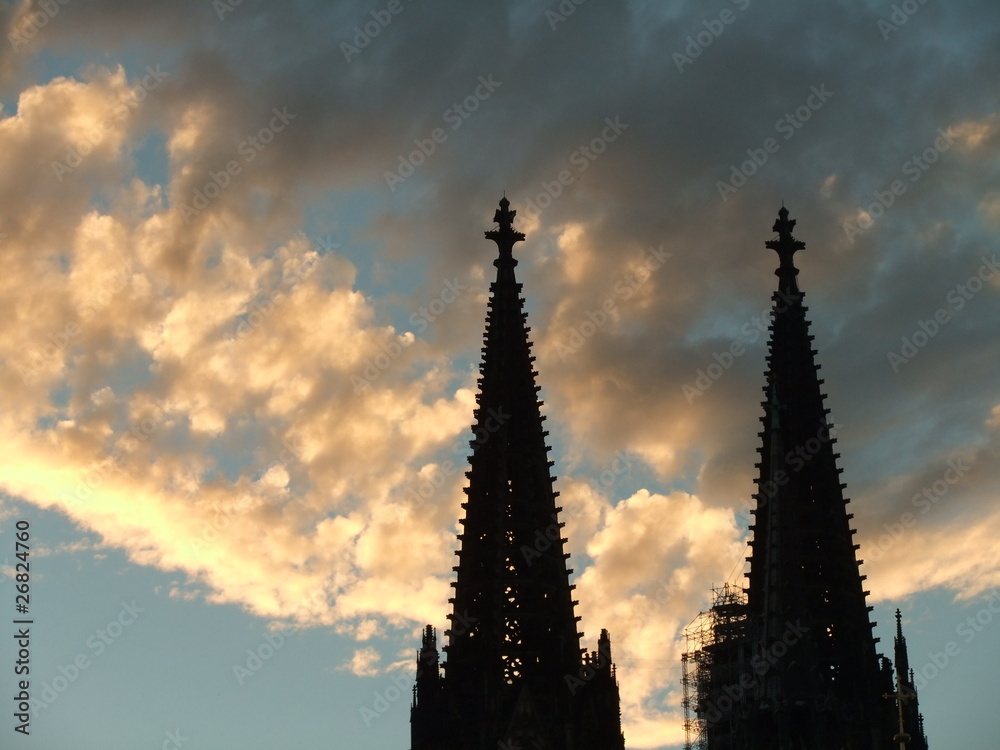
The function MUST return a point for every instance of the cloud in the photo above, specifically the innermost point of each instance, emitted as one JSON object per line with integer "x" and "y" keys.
{"x": 363, "y": 663}
{"x": 233, "y": 407}
{"x": 652, "y": 557}
{"x": 194, "y": 378}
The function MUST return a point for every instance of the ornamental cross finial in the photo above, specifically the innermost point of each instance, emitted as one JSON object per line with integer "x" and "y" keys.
{"x": 785, "y": 245}
{"x": 504, "y": 216}
{"x": 505, "y": 236}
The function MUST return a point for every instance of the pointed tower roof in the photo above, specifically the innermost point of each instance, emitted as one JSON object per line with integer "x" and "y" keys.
{"x": 515, "y": 587}
{"x": 514, "y": 660}
{"x": 803, "y": 568}
{"x": 902, "y": 658}
{"x": 794, "y": 665}
{"x": 911, "y": 722}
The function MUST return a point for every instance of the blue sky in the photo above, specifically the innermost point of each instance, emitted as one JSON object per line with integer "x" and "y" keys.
{"x": 244, "y": 292}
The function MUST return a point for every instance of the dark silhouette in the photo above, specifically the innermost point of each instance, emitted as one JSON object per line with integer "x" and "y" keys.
{"x": 792, "y": 664}
{"x": 515, "y": 677}
{"x": 910, "y": 722}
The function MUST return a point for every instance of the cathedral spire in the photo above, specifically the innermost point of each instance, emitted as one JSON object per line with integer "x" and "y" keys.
{"x": 799, "y": 650}
{"x": 803, "y": 570}
{"x": 515, "y": 671}
{"x": 911, "y": 722}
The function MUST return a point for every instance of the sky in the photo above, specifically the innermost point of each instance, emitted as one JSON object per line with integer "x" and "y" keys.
{"x": 244, "y": 284}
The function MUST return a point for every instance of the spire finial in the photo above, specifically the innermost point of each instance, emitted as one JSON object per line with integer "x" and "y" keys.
{"x": 505, "y": 236}
{"x": 785, "y": 245}
{"x": 504, "y": 216}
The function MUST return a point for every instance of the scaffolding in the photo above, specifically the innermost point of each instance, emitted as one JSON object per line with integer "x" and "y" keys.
{"x": 716, "y": 677}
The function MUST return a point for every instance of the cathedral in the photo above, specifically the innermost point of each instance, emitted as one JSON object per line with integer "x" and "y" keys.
{"x": 787, "y": 663}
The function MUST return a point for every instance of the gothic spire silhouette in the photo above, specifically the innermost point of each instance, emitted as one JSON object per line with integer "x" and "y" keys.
{"x": 911, "y": 721}
{"x": 515, "y": 673}
{"x": 828, "y": 690}
{"x": 797, "y": 666}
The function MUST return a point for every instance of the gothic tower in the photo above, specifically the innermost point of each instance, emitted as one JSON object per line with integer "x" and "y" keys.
{"x": 910, "y": 720}
{"x": 793, "y": 665}
{"x": 827, "y": 692}
{"x": 515, "y": 675}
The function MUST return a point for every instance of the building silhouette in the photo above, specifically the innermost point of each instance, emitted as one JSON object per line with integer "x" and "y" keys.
{"x": 908, "y": 709}
{"x": 515, "y": 677}
{"x": 790, "y": 662}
